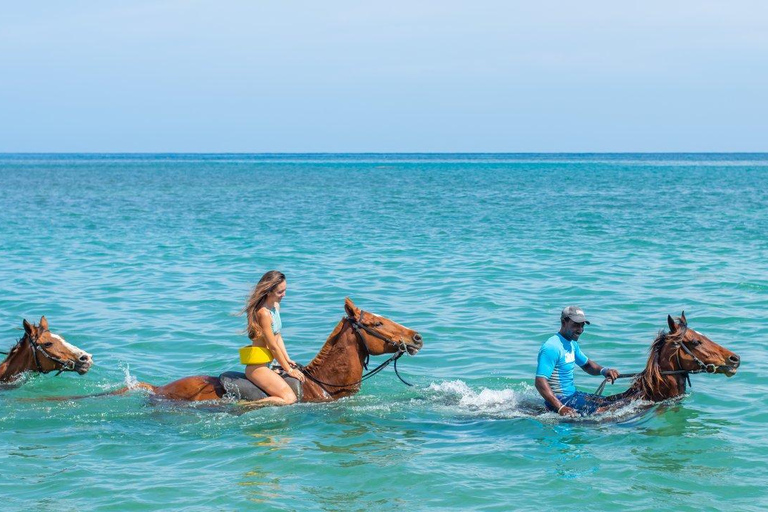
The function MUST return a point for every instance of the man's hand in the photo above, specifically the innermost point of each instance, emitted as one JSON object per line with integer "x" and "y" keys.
{"x": 567, "y": 411}
{"x": 610, "y": 374}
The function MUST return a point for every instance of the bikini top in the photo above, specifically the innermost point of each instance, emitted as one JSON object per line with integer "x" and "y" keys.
{"x": 277, "y": 323}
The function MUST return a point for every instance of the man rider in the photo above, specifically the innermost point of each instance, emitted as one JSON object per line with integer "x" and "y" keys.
{"x": 557, "y": 358}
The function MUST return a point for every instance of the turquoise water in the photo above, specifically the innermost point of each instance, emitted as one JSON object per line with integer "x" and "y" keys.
{"x": 145, "y": 260}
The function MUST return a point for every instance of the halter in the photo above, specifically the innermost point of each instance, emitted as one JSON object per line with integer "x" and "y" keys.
{"x": 703, "y": 368}
{"x": 67, "y": 366}
{"x": 357, "y": 326}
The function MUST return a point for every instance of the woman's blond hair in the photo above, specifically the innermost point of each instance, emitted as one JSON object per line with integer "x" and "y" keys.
{"x": 264, "y": 287}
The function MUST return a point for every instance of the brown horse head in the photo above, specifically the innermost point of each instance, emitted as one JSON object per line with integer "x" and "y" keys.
{"x": 381, "y": 335}
{"x": 674, "y": 355}
{"x": 690, "y": 350}
{"x": 50, "y": 352}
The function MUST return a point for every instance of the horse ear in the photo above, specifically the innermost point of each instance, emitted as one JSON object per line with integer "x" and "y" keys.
{"x": 350, "y": 307}
{"x": 682, "y": 318}
{"x": 671, "y": 323}
{"x": 43, "y": 323}
{"x": 29, "y": 328}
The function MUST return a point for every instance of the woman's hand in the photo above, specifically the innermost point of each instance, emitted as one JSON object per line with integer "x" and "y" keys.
{"x": 296, "y": 374}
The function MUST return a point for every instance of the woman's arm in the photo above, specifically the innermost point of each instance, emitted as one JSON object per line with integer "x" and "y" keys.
{"x": 275, "y": 344}
{"x": 282, "y": 346}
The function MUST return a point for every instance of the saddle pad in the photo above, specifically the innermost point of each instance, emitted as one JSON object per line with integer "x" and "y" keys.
{"x": 237, "y": 385}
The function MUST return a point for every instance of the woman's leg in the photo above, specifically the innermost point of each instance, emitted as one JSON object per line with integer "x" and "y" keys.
{"x": 280, "y": 393}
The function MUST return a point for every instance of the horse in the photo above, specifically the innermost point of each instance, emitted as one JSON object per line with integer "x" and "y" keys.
{"x": 39, "y": 350}
{"x": 335, "y": 372}
{"x": 673, "y": 357}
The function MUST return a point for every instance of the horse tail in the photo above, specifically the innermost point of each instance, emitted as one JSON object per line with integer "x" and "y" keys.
{"x": 121, "y": 391}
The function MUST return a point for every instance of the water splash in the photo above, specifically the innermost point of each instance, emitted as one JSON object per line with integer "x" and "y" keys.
{"x": 459, "y": 398}
{"x": 129, "y": 380}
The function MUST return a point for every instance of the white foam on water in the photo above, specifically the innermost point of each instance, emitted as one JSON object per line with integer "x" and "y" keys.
{"x": 462, "y": 398}
{"x": 469, "y": 397}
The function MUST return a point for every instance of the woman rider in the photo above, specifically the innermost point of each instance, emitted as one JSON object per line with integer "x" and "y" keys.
{"x": 263, "y": 315}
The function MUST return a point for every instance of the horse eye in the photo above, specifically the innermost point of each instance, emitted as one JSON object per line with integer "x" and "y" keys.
{"x": 378, "y": 324}
{"x": 48, "y": 344}
{"x": 695, "y": 342}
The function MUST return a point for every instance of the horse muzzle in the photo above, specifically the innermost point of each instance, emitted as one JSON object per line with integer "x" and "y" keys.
{"x": 732, "y": 364}
{"x": 82, "y": 369}
{"x": 413, "y": 346}
{"x": 83, "y": 364}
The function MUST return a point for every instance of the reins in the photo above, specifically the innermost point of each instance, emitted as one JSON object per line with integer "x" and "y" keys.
{"x": 703, "y": 367}
{"x": 357, "y": 326}
{"x": 600, "y": 388}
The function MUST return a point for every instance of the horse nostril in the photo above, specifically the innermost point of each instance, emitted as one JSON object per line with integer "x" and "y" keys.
{"x": 734, "y": 359}
{"x": 417, "y": 338}
{"x": 85, "y": 358}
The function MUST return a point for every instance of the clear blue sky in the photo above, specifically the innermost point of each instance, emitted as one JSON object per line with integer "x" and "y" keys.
{"x": 337, "y": 76}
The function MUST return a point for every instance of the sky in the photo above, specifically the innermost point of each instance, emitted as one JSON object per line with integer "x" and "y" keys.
{"x": 383, "y": 76}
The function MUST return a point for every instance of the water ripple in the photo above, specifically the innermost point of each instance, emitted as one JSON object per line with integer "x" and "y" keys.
{"x": 146, "y": 260}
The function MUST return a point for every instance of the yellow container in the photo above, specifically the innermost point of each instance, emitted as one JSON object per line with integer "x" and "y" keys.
{"x": 255, "y": 355}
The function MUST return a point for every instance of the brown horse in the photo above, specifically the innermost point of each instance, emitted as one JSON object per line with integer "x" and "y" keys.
{"x": 42, "y": 351}
{"x": 335, "y": 372}
{"x": 673, "y": 357}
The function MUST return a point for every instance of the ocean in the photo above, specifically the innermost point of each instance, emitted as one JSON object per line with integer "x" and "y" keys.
{"x": 146, "y": 260}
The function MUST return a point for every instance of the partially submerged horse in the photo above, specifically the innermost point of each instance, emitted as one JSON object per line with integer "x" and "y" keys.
{"x": 673, "y": 357}
{"x": 42, "y": 351}
{"x": 335, "y": 372}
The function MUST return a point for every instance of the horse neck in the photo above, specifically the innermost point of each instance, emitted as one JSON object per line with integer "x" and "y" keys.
{"x": 18, "y": 361}
{"x": 653, "y": 385}
{"x": 340, "y": 361}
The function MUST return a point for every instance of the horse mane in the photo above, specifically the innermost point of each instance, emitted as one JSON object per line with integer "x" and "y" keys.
{"x": 650, "y": 381}
{"x": 15, "y": 348}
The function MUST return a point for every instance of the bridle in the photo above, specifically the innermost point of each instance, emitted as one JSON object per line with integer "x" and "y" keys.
{"x": 66, "y": 366}
{"x": 702, "y": 367}
{"x": 357, "y": 327}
